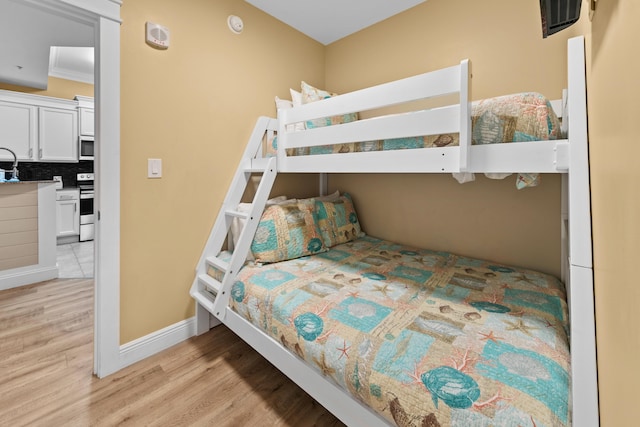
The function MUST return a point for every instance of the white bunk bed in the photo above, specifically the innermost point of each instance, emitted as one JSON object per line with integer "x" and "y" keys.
{"x": 569, "y": 157}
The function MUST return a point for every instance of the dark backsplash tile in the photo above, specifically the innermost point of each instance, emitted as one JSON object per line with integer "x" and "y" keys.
{"x": 36, "y": 171}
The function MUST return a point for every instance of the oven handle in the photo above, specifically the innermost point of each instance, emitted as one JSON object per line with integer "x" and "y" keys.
{"x": 86, "y": 195}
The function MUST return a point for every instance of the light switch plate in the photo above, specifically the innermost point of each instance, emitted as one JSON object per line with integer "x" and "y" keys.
{"x": 154, "y": 168}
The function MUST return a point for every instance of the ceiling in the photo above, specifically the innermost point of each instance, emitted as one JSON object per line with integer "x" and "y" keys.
{"x": 26, "y": 36}
{"x": 35, "y": 44}
{"x": 329, "y": 20}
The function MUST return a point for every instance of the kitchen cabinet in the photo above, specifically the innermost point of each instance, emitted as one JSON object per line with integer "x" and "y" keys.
{"x": 87, "y": 120}
{"x": 38, "y": 128}
{"x": 58, "y": 131}
{"x": 86, "y": 115}
{"x": 67, "y": 213}
{"x": 18, "y": 129}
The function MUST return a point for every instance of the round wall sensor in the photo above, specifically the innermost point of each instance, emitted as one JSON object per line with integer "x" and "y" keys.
{"x": 235, "y": 24}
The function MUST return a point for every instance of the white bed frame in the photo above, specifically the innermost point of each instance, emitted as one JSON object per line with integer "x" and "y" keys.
{"x": 568, "y": 157}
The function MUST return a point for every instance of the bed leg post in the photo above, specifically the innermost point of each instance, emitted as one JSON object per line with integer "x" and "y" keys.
{"x": 202, "y": 320}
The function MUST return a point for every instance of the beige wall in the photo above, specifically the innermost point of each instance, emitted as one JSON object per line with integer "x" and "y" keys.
{"x": 485, "y": 219}
{"x": 194, "y": 106}
{"x": 57, "y": 88}
{"x": 210, "y": 81}
{"x": 613, "y": 93}
{"x": 439, "y": 33}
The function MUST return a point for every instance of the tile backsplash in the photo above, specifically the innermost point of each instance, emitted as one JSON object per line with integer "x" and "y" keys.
{"x": 35, "y": 171}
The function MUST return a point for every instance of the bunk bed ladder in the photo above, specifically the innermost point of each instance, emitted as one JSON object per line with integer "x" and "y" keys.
{"x": 211, "y": 294}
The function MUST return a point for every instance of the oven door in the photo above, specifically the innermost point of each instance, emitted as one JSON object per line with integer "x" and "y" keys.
{"x": 87, "y": 226}
{"x": 86, "y": 207}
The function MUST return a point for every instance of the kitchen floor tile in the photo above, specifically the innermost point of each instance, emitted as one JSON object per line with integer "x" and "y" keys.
{"x": 75, "y": 260}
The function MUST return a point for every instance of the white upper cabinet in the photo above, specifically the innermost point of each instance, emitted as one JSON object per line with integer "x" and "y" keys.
{"x": 18, "y": 130}
{"x": 58, "y": 130}
{"x": 86, "y": 121}
{"x": 38, "y": 128}
{"x": 86, "y": 115}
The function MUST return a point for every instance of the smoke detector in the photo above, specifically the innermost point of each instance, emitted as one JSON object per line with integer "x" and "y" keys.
{"x": 235, "y": 24}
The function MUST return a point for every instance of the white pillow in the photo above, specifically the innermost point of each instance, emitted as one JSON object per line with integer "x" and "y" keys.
{"x": 296, "y": 97}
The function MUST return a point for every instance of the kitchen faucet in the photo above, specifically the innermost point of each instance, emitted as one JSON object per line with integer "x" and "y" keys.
{"x": 14, "y": 171}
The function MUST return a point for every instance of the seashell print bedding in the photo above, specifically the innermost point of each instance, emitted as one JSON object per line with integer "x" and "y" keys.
{"x": 422, "y": 337}
{"x": 520, "y": 117}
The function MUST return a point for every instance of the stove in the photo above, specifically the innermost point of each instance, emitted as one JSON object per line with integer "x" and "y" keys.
{"x": 87, "y": 216}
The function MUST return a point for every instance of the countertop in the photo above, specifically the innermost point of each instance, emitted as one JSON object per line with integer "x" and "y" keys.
{"x": 44, "y": 181}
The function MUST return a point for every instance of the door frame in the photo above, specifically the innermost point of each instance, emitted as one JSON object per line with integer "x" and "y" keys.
{"x": 104, "y": 16}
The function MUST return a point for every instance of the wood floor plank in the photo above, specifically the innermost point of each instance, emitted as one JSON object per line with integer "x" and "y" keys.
{"x": 46, "y": 363}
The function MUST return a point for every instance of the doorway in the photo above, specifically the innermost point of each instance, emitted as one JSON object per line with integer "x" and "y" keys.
{"x": 104, "y": 17}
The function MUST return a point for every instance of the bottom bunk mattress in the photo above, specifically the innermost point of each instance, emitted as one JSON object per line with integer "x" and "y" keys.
{"x": 424, "y": 338}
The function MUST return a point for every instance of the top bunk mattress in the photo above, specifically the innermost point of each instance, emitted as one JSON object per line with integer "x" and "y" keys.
{"x": 422, "y": 337}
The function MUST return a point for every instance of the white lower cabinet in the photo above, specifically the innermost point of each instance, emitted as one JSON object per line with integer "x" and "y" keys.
{"x": 67, "y": 213}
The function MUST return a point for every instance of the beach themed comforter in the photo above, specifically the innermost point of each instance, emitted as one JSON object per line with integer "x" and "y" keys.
{"x": 424, "y": 338}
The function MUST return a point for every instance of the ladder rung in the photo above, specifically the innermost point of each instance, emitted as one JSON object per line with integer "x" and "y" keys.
{"x": 210, "y": 283}
{"x": 218, "y": 263}
{"x": 231, "y": 212}
{"x": 254, "y": 169}
{"x": 258, "y": 165}
{"x": 203, "y": 297}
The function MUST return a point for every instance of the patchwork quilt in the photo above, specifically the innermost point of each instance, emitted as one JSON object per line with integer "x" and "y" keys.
{"x": 424, "y": 338}
{"x": 519, "y": 117}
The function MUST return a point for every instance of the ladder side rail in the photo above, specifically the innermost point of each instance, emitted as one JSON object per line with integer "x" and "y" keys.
{"x": 265, "y": 128}
{"x": 222, "y": 223}
{"x": 236, "y": 190}
{"x": 239, "y": 255}
{"x": 282, "y": 138}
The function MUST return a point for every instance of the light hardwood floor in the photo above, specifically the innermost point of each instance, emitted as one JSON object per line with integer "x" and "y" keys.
{"x": 46, "y": 344}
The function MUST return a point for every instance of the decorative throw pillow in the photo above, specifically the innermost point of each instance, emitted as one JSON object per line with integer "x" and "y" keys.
{"x": 329, "y": 197}
{"x": 312, "y": 94}
{"x": 287, "y": 231}
{"x": 237, "y": 225}
{"x": 519, "y": 117}
{"x": 337, "y": 221}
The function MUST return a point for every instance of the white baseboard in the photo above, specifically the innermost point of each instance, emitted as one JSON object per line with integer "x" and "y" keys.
{"x": 157, "y": 341}
{"x": 26, "y": 275}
